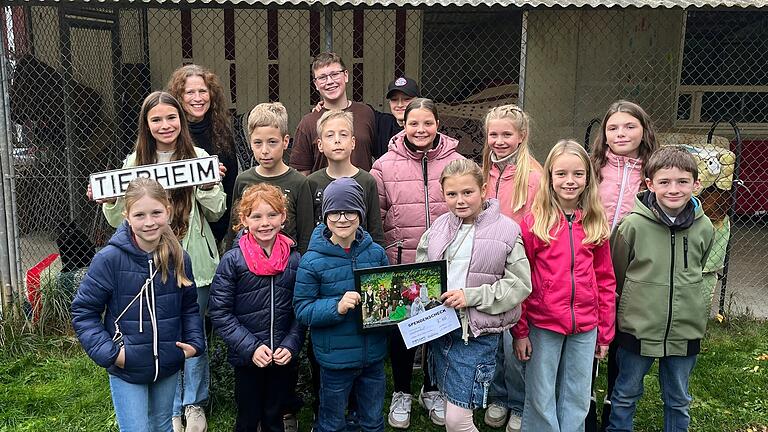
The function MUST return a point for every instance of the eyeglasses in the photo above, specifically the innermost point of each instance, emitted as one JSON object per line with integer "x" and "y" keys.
{"x": 336, "y": 216}
{"x": 333, "y": 76}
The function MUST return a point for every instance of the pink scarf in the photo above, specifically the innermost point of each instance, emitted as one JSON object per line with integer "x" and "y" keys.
{"x": 258, "y": 261}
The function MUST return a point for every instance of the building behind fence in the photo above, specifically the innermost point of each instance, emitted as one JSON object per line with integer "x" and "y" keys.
{"x": 75, "y": 74}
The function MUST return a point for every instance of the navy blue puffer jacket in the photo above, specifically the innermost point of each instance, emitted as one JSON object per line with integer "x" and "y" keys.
{"x": 248, "y": 310}
{"x": 325, "y": 274}
{"x": 115, "y": 277}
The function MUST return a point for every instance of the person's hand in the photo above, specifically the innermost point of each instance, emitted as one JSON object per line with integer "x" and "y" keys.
{"x": 523, "y": 349}
{"x": 318, "y": 107}
{"x": 601, "y": 351}
{"x": 189, "y": 350}
{"x": 282, "y": 356}
{"x": 348, "y": 301}
{"x": 222, "y": 173}
{"x": 89, "y": 193}
{"x": 120, "y": 360}
{"x": 454, "y": 299}
{"x": 262, "y": 357}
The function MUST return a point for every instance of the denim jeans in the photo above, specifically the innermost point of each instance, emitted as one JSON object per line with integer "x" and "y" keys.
{"x": 557, "y": 380}
{"x": 508, "y": 385}
{"x": 368, "y": 384}
{"x": 673, "y": 380}
{"x": 143, "y": 407}
{"x": 192, "y": 384}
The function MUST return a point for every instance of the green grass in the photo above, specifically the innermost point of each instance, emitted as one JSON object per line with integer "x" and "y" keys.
{"x": 57, "y": 387}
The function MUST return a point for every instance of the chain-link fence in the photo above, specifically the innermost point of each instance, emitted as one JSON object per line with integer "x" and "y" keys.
{"x": 78, "y": 76}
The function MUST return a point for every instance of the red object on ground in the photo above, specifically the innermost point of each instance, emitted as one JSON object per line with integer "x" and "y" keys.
{"x": 753, "y": 168}
{"x": 33, "y": 284}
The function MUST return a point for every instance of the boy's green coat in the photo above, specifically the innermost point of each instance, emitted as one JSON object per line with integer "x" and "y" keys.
{"x": 663, "y": 303}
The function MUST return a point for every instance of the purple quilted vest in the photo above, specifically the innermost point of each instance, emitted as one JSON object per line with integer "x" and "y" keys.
{"x": 495, "y": 236}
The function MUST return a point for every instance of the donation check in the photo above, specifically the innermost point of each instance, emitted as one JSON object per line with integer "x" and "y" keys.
{"x": 428, "y": 326}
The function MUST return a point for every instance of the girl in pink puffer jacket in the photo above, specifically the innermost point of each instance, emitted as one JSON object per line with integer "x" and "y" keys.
{"x": 410, "y": 198}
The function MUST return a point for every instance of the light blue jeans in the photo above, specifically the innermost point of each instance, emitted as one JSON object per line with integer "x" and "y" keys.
{"x": 673, "y": 380}
{"x": 143, "y": 407}
{"x": 558, "y": 380}
{"x": 508, "y": 385}
{"x": 192, "y": 384}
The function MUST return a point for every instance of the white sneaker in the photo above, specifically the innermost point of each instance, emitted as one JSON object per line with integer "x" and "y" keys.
{"x": 178, "y": 426}
{"x": 400, "y": 410}
{"x": 515, "y": 423}
{"x": 195, "y": 416}
{"x": 495, "y": 415}
{"x": 434, "y": 403}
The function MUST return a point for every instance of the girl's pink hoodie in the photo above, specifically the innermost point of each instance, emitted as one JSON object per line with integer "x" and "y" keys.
{"x": 574, "y": 288}
{"x": 621, "y": 179}
{"x": 501, "y": 184}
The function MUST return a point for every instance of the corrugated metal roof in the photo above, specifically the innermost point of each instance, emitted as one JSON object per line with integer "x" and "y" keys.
{"x": 514, "y": 3}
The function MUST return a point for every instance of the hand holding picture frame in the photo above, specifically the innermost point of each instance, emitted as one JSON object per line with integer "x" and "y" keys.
{"x": 394, "y": 293}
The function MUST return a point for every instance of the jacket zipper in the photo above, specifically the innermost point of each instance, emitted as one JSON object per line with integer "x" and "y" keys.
{"x": 498, "y": 182}
{"x": 621, "y": 197}
{"x": 272, "y": 314}
{"x": 685, "y": 252}
{"x": 424, "y": 173}
{"x": 573, "y": 276}
{"x": 671, "y": 292}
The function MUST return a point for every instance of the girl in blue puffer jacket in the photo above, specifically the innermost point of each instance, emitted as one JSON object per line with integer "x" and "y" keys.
{"x": 251, "y": 306}
{"x": 142, "y": 284}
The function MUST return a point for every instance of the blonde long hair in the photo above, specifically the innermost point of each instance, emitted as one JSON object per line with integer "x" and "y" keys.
{"x": 168, "y": 249}
{"x": 525, "y": 161}
{"x": 546, "y": 208}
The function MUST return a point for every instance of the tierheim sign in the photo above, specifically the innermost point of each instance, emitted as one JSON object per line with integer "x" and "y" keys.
{"x": 171, "y": 175}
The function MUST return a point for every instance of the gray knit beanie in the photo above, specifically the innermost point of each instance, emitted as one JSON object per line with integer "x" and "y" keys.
{"x": 343, "y": 194}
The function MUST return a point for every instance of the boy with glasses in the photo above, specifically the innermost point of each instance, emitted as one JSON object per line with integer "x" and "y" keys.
{"x": 325, "y": 299}
{"x": 330, "y": 78}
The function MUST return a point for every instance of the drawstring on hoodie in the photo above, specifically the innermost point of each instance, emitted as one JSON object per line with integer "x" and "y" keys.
{"x": 148, "y": 291}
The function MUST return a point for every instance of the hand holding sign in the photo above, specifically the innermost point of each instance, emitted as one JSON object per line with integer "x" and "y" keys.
{"x": 89, "y": 193}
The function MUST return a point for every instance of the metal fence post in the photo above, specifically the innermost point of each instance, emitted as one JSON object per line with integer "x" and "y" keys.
{"x": 7, "y": 266}
{"x": 328, "y": 12}
{"x": 65, "y": 47}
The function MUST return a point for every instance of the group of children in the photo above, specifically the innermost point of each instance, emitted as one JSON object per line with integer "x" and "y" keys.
{"x": 549, "y": 268}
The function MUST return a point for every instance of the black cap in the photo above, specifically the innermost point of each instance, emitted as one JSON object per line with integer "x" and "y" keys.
{"x": 405, "y": 85}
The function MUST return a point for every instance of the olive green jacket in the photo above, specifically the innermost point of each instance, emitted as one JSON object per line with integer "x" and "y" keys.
{"x": 663, "y": 302}
{"x": 207, "y": 206}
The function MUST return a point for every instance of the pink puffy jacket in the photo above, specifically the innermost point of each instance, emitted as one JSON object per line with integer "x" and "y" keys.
{"x": 621, "y": 179}
{"x": 574, "y": 288}
{"x": 502, "y": 189}
{"x": 409, "y": 184}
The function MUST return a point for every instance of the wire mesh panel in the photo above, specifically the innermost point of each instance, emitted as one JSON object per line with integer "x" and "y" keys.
{"x": 79, "y": 75}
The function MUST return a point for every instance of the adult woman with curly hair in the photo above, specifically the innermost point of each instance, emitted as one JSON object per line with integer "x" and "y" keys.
{"x": 210, "y": 123}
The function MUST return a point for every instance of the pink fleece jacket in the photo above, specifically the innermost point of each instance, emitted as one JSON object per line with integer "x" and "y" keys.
{"x": 409, "y": 183}
{"x": 574, "y": 288}
{"x": 501, "y": 184}
{"x": 621, "y": 179}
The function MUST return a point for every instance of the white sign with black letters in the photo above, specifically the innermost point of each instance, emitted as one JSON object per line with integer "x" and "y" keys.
{"x": 171, "y": 175}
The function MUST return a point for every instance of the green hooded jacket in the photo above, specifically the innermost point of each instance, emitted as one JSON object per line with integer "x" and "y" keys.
{"x": 663, "y": 302}
{"x": 207, "y": 206}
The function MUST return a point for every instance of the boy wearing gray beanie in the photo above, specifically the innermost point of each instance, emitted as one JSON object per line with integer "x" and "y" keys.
{"x": 326, "y": 301}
